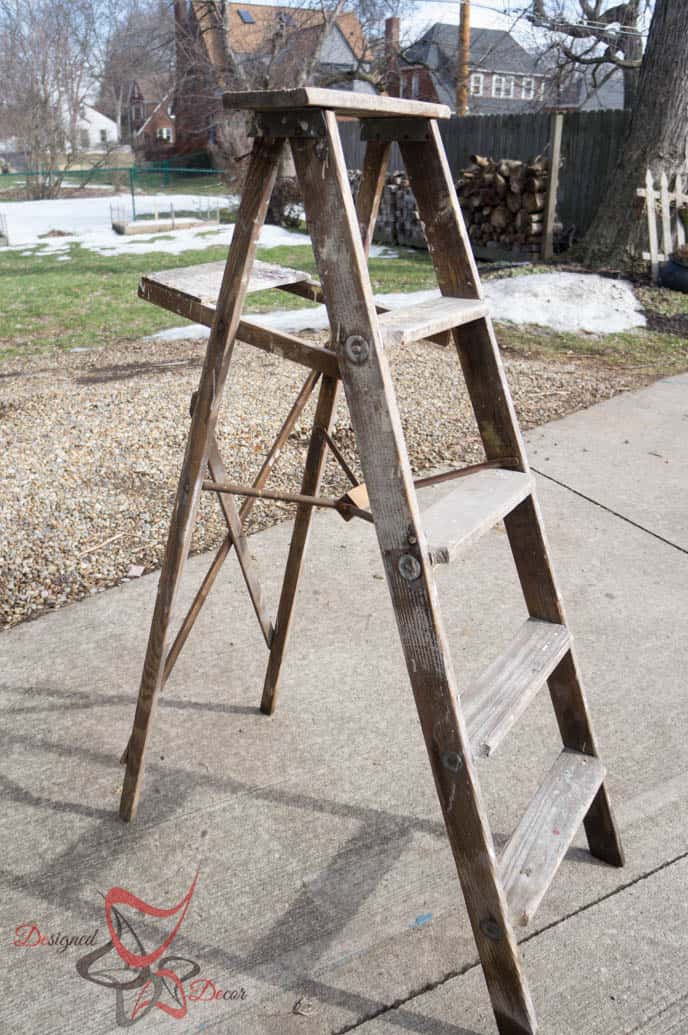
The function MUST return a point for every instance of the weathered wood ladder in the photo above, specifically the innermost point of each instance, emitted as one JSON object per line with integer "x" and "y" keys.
{"x": 499, "y": 893}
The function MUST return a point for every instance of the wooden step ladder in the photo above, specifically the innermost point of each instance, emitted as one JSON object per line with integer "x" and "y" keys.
{"x": 503, "y": 893}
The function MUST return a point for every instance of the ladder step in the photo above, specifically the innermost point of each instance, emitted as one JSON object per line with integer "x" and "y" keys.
{"x": 474, "y": 506}
{"x": 183, "y": 288}
{"x": 542, "y": 838}
{"x": 417, "y": 322}
{"x": 505, "y": 689}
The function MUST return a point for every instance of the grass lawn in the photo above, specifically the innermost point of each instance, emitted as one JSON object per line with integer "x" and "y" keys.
{"x": 90, "y": 300}
{"x": 659, "y": 349}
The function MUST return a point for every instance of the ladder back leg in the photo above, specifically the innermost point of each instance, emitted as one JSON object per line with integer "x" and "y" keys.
{"x": 367, "y": 206}
{"x": 365, "y": 373}
{"x": 310, "y": 486}
{"x": 258, "y": 188}
{"x": 483, "y": 371}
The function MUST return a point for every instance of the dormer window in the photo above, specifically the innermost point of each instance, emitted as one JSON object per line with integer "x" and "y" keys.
{"x": 502, "y": 87}
{"x": 477, "y": 84}
{"x": 528, "y": 89}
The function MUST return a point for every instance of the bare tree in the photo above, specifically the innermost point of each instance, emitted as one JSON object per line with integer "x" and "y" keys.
{"x": 210, "y": 59}
{"x": 599, "y": 37}
{"x": 135, "y": 43}
{"x": 45, "y": 48}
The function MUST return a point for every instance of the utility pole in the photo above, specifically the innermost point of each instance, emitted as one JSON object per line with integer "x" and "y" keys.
{"x": 463, "y": 57}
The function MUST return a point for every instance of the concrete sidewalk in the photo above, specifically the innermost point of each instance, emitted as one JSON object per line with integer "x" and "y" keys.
{"x": 327, "y": 899}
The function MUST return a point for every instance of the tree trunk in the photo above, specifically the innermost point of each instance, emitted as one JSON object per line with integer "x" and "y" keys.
{"x": 657, "y": 137}
{"x": 632, "y": 51}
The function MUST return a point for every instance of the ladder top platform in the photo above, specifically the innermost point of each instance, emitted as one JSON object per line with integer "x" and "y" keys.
{"x": 362, "y": 105}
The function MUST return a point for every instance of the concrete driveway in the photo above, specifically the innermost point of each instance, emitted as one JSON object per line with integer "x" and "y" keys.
{"x": 326, "y": 899}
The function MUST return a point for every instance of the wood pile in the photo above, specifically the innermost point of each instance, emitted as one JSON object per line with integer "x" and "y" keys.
{"x": 503, "y": 202}
{"x": 398, "y": 221}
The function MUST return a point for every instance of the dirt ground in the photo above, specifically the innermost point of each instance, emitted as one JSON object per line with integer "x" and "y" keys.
{"x": 92, "y": 443}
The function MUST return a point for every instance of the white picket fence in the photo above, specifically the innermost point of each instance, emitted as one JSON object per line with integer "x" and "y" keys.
{"x": 663, "y": 208}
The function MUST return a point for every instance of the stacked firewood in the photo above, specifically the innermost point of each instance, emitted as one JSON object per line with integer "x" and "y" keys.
{"x": 503, "y": 202}
{"x": 398, "y": 221}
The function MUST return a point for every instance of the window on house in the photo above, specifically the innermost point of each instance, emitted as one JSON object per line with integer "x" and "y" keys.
{"x": 528, "y": 89}
{"x": 84, "y": 140}
{"x": 137, "y": 113}
{"x": 246, "y": 17}
{"x": 502, "y": 86}
{"x": 164, "y": 133}
{"x": 477, "y": 82}
{"x": 103, "y": 136}
{"x": 415, "y": 84}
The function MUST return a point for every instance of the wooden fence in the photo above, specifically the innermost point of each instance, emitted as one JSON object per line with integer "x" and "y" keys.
{"x": 666, "y": 207}
{"x": 591, "y": 144}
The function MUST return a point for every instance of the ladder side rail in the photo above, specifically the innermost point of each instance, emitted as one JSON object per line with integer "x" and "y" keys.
{"x": 365, "y": 374}
{"x": 483, "y": 370}
{"x": 457, "y": 275}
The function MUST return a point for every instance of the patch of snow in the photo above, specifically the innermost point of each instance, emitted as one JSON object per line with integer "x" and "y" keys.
{"x": 87, "y": 186}
{"x": 574, "y": 302}
{"x": 191, "y": 332}
{"x": 87, "y": 222}
{"x": 383, "y": 251}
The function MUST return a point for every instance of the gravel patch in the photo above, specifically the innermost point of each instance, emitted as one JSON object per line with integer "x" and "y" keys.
{"x": 92, "y": 443}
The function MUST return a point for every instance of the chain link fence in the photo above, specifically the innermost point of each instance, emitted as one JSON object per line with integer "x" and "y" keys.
{"x": 136, "y": 180}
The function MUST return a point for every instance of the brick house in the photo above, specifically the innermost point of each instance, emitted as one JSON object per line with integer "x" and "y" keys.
{"x": 156, "y": 136}
{"x": 142, "y": 98}
{"x": 263, "y": 40}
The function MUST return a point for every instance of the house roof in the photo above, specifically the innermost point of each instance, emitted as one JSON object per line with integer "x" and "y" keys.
{"x": 252, "y": 33}
{"x": 491, "y": 49}
{"x": 608, "y": 95}
{"x": 149, "y": 88}
{"x": 297, "y": 49}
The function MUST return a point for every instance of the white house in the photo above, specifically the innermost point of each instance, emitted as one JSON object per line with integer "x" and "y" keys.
{"x": 95, "y": 131}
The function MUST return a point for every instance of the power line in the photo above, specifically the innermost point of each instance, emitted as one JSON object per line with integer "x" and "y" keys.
{"x": 508, "y": 11}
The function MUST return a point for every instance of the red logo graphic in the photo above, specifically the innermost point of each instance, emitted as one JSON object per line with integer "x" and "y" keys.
{"x": 159, "y": 980}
